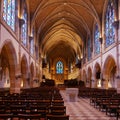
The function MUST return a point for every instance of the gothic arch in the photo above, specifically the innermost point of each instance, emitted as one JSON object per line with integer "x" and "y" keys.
{"x": 8, "y": 55}
{"x": 109, "y": 71}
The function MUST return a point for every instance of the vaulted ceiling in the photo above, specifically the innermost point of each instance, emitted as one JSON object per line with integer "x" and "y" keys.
{"x": 63, "y": 25}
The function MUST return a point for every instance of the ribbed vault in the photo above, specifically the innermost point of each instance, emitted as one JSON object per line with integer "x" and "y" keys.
{"x": 63, "y": 25}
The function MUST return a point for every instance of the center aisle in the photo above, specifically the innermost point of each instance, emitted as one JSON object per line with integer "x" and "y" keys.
{"x": 82, "y": 110}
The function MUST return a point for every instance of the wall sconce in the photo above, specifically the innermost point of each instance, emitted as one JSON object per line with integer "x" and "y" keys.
{"x": 115, "y": 24}
{"x": 101, "y": 40}
{"x": 21, "y": 21}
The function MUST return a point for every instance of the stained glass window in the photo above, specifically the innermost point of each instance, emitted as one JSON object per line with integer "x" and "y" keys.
{"x": 24, "y": 28}
{"x": 59, "y": 67}
{"x": 96, "y": 40}
{"x": 89, "y": 48}
{"x": 109, "y": 29}
{"x": 32, "y": 43}
{"x": 32, "y": 46}
{"x": 9, "y": 13}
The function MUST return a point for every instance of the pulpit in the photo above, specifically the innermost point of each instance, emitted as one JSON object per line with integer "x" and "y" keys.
{"x": 72, "y": 94}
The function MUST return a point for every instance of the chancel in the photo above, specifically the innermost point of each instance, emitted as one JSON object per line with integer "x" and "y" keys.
{"x": 60, "y": 59}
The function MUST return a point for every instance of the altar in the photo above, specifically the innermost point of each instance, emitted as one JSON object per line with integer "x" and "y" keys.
{"x": 72, "y": 94}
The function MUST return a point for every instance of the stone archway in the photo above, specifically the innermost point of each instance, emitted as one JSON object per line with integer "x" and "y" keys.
{"x": 109, "y": 72}
{"x": 24, "y": 70}
{"x": 9, "y": 61}
{"x": 4, "y": 71}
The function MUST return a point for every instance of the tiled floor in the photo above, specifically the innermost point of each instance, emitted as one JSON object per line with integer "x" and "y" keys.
{"x": 82, "y": 110}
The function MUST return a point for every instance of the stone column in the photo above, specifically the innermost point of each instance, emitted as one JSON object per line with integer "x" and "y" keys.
{"x": 116, "y": 25}
{"x": 27, "y": 80}
{"x": 92, "y": 82}
{"x": 118, "y": 83}
{"x": 18, "y": 83}
{"x": 105, "y": 82}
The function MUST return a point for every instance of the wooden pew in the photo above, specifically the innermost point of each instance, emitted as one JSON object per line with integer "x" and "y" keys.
{"x": 57, "y": 117}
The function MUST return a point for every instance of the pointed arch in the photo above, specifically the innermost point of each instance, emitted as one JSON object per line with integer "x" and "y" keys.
{"x": 108, "y": 64}
{"x": 110, "y": 71}
{"x": 8, "y": 54}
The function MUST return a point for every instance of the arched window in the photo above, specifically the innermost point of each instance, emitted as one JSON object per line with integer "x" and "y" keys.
{"x": 32, "y": 46}
{"x": 96, "y": 40}
{"x": 24, "y": 28}
{"x": 32, "y": 43}
{"x": 9, "y": 13}
{"x": 109, "y": 29}
{"x": 89, "y": 48}
{"x": 59, "y": 67}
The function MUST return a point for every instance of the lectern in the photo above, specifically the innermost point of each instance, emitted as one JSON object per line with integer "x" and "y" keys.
{"x": 72, "y": 94}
